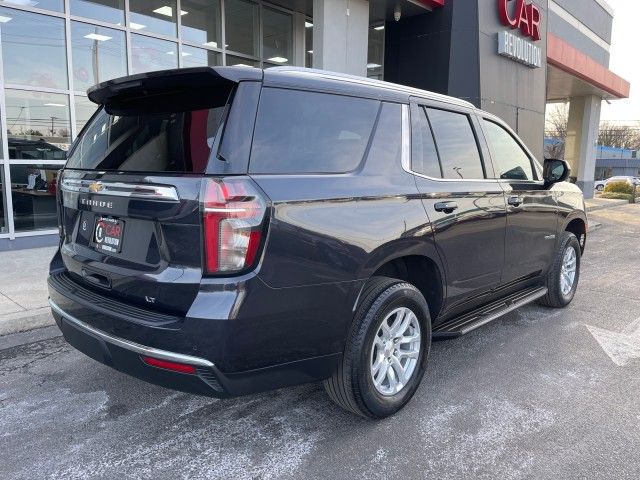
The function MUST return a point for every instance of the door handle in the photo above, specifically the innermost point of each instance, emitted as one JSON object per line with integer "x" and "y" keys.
{"x": 515, "y": 201}
{"x": 446, "y": 207}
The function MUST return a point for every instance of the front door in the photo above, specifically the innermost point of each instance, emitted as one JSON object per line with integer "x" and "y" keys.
{"x": 532, "y": 210}
{"x": 465, "y": 206}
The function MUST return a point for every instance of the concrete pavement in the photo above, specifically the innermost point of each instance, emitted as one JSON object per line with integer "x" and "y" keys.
{"x": 23, "y": 289}
{"x": 532, "y": 395}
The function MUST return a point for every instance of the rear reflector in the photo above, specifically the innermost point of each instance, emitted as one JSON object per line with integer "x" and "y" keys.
{"x": 233, "y": 218}
{"x": 173, "y": 366}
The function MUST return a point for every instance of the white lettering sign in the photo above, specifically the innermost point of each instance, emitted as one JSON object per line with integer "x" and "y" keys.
{"x": 519, "y": 49}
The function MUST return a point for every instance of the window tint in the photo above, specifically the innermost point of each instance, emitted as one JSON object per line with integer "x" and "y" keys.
{"x": 424, "y": 156}
{"x": 509, "y": 159}
{"x": 457, "y": 145}
{"x": 167, "y": 142}
{"x": 304, "y": 132}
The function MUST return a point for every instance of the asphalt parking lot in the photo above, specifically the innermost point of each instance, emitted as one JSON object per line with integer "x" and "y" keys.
{"x": 537, "y": 394}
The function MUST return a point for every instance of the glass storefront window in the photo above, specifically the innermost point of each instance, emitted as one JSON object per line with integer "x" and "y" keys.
{"x": 98, "y": 53}
{"x": 242, "y": 26}
{"x": 157, "y": 16}
{"x": 308, "y": 44}
{"x": 85, "y": 108}
{"x": 199, "y": 57}
{"x": 4, "y": 228}
{"x": 55, "y": 5}
{"x": 33, "y": 49}
{"x": 375, "y": 57}
{"x": 33, "y": 192}
{"x": 38, "y": 126}
{"x": 241, "y": 62}
{"x": 111, "y": 11}
{"x": 202, "y": 23}
{"x": 148, "y": 54}
{"x": 277, "y": 37}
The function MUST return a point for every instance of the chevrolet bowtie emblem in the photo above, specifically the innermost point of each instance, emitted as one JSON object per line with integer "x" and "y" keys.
{"x": 95, "y": 187}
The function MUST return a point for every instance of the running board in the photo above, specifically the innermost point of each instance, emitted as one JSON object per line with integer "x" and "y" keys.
{"x": 470, "y": 321}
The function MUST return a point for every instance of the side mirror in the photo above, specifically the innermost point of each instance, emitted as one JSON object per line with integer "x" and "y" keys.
{"x": 555, "y": 171}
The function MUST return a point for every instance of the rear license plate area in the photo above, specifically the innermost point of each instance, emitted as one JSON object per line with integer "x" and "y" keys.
{"x": 108, "y": 234}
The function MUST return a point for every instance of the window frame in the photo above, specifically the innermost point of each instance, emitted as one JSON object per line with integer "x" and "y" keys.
{"x": 476, "y": 128}
{"x": 537, "y": 180}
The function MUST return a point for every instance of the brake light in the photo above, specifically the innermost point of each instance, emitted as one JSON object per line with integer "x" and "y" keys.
{"x": 233, "y": 217}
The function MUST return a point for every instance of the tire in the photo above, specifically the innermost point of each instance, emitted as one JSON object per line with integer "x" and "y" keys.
{"x": 555, "y": 297}
{"x": 352, "y": 385}
{"x": 600, "y": 188}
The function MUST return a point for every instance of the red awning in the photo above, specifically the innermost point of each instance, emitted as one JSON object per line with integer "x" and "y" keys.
{"x": 572, "y": 61}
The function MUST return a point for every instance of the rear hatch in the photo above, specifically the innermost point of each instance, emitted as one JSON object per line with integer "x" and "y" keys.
{"x": 131, "y": 213}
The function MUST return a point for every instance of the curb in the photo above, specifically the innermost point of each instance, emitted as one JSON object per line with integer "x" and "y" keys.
{"x": 26, "y": 320}
{"x": 613, "y": 204}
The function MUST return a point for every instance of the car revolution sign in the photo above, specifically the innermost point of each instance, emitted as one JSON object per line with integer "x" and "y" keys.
{"x": 526, "y": 18}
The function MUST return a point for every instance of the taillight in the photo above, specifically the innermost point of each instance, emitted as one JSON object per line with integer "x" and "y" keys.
{"x": 233, "y": 215}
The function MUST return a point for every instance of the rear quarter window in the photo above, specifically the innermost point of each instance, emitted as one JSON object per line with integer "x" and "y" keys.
{"x": 309, "y": 132}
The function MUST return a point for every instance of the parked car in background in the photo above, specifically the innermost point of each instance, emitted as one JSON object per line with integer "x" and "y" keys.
{"x": 635, "y": 181}
{"x": 599, "y": 185}
{"x": 230, "y": 230}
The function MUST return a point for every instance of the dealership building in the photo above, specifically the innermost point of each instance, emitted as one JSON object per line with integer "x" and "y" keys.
{"x": 510, "y": 57}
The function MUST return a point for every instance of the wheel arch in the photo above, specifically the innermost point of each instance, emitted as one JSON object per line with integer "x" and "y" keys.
{"x": 578, "y": 225}
{"x": 422, "y": 271}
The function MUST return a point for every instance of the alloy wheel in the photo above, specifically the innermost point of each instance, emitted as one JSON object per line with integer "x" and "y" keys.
{"x": 395, "y": 351}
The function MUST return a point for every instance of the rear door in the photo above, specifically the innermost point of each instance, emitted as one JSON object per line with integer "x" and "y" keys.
{"x": 532, "y": 209}
{"x": 130, "y": 192}
{"x": 466, "y": 207}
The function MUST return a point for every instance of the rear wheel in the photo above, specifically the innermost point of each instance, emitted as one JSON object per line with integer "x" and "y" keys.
{"x": 563, "y": 276}
{"x": 386, "y": 352}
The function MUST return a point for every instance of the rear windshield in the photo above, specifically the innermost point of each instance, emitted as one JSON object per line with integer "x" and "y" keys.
{"x": 163, "y": 142}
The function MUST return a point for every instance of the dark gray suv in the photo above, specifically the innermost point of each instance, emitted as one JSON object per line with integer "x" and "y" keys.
{"x": 229, "y": 230}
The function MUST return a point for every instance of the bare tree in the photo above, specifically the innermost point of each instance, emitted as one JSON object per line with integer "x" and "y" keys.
{"x": 556, "y": 123}
{"x": 619, "y": 136}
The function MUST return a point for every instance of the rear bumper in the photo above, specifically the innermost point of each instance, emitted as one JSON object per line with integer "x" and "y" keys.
{"x": 103, "y": 333}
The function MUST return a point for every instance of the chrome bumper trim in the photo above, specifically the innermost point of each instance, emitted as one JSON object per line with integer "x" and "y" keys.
{"x": 129, "y": 345}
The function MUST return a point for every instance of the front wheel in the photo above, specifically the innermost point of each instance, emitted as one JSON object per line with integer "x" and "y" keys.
{"x": 600, "y": 188}
{"x": 563, "y": 276}
{"x": 386, "y": 353}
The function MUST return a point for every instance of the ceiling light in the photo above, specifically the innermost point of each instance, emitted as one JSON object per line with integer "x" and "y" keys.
{"x": 278, "y": 59}
{"x": 4, "y": 19}
{"x": 167, "y": 11}
{"x": 371, "y": 66}
{"x": 241, "y": 65}
{"x": 98, "y": 37}
{"x": 26, "y": 3}
{"x": 54, "y": 105}
{"x": 211, "y": 44}
{"x": 308, "y": 25}
{"x": 310, "y": 51}
{"x": 137, "y": 26}
{"x": 185, "y": 54}
{"x": 379, "y": 27}
{"x": 171, "y": 52}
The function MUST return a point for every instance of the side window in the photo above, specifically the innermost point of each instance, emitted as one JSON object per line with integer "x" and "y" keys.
{"x": 308, "y": 132}
{"x": 457, "y": 146}
{"x": 424, "y": 156}
{"x": 510, "y": 160}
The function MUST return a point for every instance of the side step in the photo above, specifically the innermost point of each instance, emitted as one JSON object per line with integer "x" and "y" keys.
{"x": 476, "y": 318}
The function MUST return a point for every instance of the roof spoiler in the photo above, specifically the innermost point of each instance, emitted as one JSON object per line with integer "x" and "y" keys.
{"x": 170, "y": 90}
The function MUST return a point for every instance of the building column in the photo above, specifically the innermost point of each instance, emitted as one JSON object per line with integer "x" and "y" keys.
{"x": 582, "y": 140}
{"x": 299, "y": 47}
{"x": 340, "y": 35}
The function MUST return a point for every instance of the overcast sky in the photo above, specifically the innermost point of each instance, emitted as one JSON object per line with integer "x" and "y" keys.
{"x": 625, "y": 59}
